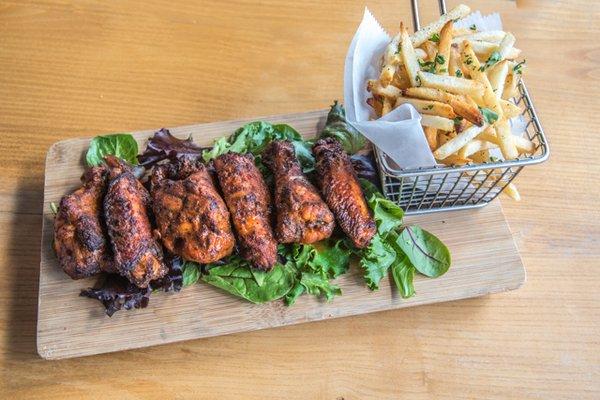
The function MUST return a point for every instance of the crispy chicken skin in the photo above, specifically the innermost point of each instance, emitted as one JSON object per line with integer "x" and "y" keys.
{"x": 137, "y": 255}
{"x": 79, "y": 238}
{"x": 192, "y": 218}
{"x": 302, "y": 216}
{"x": 249, "y": 203}
{"x": 342, "y": 191}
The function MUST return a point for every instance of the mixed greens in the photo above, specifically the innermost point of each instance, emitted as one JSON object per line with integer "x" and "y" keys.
{"x": 308, "y": 268}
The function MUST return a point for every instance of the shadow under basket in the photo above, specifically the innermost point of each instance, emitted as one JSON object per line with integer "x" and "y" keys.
{"x": 444, "y": 188}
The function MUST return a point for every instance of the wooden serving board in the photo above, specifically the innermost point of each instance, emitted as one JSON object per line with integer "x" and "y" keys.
{"x": 485, "y": 260}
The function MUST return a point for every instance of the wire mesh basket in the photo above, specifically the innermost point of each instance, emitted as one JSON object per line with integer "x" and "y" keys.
{"x": 443, "y": 188}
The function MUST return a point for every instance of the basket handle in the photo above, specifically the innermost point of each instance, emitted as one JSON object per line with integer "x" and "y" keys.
{"x": 414, "y": 5}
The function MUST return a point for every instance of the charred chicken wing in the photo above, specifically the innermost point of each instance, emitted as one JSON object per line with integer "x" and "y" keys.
{"x": 302, "y": 216}
{"x": 342, "y": 192}
{"x": 192, "y": 219}
{"x": 79, "y": 238}
{"x": 247, "y": 198}
{"x": 138, "y": 257}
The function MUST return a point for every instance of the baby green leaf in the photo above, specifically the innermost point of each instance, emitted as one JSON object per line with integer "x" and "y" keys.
{"x": 425, "y": 251}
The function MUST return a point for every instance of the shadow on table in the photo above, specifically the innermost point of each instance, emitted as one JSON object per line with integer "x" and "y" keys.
{"x": 24, "y": 232}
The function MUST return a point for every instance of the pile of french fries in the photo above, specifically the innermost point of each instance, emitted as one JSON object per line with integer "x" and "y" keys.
{"x": 460, "y": 80}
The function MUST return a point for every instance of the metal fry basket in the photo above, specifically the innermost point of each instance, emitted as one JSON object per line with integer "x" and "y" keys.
{"x": 443, "y": 188}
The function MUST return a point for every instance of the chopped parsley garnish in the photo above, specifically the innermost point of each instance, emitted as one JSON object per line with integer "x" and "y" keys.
{"x": 473, "y": 27}
{"x": 439, "y": 59}
{"x": 492, "y": 59}
{"x": 518, "y": 69}
{"x": 435, "y": 37}
{"x": 428, "y": 66}
{"x": 488, "y": 115}
{"x": 457, "y": 120}
{"x": 459, "y": 73}
{"x": 429, "y": 107}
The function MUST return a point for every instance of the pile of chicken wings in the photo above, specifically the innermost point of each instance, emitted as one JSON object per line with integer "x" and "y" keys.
{"x": 113, "y": 223}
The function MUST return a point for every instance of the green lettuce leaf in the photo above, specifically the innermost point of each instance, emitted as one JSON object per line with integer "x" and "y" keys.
{"x": 237, "y": 278}
{"x": 338, "y": 127}
{"x": 427, "y": 253}
{"x": 255, "y": 136}
{"x": 376, "y": 260}
{"x": 122, "y": 145}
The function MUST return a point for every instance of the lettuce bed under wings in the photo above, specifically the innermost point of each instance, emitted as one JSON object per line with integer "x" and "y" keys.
{"x": 308, "y": 268}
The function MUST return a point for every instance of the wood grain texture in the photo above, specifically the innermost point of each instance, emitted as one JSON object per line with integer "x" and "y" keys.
{"x": 486, "y": 261}
{"x": 79, "y": 68}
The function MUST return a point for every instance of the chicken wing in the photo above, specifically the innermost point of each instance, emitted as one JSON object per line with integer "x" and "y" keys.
{"x": 342, "y": 192}
{"x": 138, "y": 257}
{"x": 249, "y": 203}
{"x": 302, "y": 216}
{"x": 79, "y": 237}
{"x": 192, "y": 218}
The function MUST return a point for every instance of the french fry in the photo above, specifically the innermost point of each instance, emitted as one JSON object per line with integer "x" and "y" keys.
{"x": 511, "y": 191}
{"x": 444, "y": 49}
{"x": 390, "y": 91}
{"x": 459, "y": 104}
{"x": 523, "y": 144}
{"x": 400, "y": 79}
{"x": 437, "y": 122}
{"x": 455, "y": 159}
{"x": 465, "y": 109}
{"x": 430, "y": 50}
{"x": 497, "y": 77}
{"x": 512, "y": 80}
{"x": 507, "y": 145}
{"x": 408, "y": 56}
{"x": 451, "y": 84}
{"x": 431, "y": 136}
{"x": 388, "y": 106}
{"x": 423, "y": 34}
{"x": 475, "y": 146}
{"x": 454, "y": 62}
{"x": 484, "y": 49}
{"x": 420, "y": 53}
{"x": 376, "y": 105}
{"x": 509, "y": 109}
{"x": 480, "y": 156}
{"x": 428, "y": 107}
{"x": 470, "y": 61}
{"x": 506, "y": 45}
{"x": 424, "y": 93}
{"x": 461, "y": 32}
{"x": 485, "y": 36}
{"x": 452, "y": 146}
{"x": 391, "y": 61}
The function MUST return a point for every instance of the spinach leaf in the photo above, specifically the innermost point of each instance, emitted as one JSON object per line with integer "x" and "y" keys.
{"x": 376, "y": 260}
{"x": 425, "y": 251}
{"x": 122, "y": 145}
{"x": 191, "y": 273}
{"x": 338, "y": 127}
{"x": 403, "y": 273}
{"x": 237, "y": 278}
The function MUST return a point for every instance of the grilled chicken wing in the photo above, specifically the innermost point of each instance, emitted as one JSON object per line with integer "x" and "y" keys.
{"x": 192, "y": 219}
{"x": 342, "y": 191}
{"x": 137, "y": 255}
{"x": 247, "y": 198}
{"x": 79, "y": 238}
{"x": 302, "y": 216}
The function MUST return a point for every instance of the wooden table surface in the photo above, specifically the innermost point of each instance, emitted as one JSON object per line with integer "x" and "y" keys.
{"x": 71, "y": 69}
